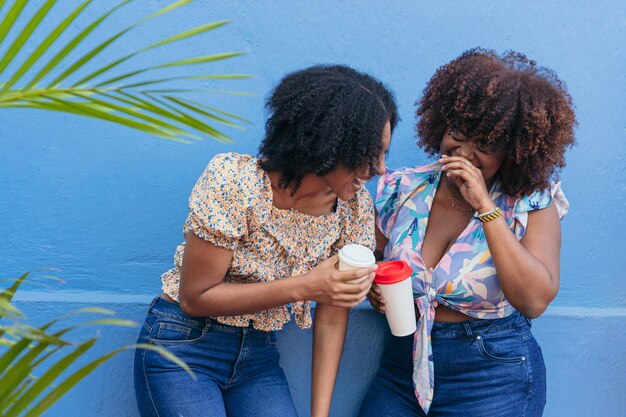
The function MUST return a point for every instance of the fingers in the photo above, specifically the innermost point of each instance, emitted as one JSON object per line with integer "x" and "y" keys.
{"x": 461, "y": 165}
{"x": 357, "y": 274}
{"x": 359, "y": 286}
{"x": 352, "y": 294}
{"x": 460, "y": 170}
{"x": 349, "y": 301}
{"x": 375, "y": 299}
{"x": 343, "y": 288}
{"x": 457, "y": 175}
{"x": 445, "y": 159}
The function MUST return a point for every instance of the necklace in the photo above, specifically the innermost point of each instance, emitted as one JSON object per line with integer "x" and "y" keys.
{"x": 454, "y": 205}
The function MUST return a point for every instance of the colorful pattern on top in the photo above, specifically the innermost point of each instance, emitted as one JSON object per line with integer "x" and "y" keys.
{"x": 231, "y": 206}
{"x": 465, "y": 278}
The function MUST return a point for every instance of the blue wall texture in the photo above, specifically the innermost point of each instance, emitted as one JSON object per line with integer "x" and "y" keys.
{"x": 106, "y": 204}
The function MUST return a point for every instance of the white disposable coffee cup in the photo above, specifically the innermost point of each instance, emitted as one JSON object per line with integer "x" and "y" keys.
{"x": 353, "y": 256}
{"x": 394, "y": 280}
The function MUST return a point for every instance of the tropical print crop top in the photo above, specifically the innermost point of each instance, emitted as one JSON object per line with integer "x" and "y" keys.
{"x": 231, "y": 207}
{"x": 465, "y": 278}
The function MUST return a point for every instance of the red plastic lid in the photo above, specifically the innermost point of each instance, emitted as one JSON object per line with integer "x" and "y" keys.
{"x": 391, "y": 272}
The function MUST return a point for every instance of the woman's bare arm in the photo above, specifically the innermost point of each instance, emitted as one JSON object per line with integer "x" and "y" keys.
{"x": 203, "y": 291}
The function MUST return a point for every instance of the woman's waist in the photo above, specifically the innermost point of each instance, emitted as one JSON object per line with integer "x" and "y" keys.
{"x": 514, "y": 322}
{"x": 166, "y": 306}
{"x": 463, "y": 307}
{"x": 446, "y": 315}
{"x": 266, "y": 320}
{"x": 446, "y": 312}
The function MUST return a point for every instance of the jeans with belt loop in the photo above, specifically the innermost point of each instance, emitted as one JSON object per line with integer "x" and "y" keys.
{"x": 237, "y": 369}
{"x": 483, "y": 368}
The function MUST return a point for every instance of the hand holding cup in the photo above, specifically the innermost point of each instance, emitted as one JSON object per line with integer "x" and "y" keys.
{"x": 327, "y": 284}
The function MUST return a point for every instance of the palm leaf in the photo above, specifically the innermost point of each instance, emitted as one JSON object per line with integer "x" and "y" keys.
{"x": 178, "y": 63}
{"x": 10, "y": 18}
{"x": 43, "y": 47}
{"x": 181, "y": 36}
{"x": 192, "y": 121}
{"x": 47, "y": 378}
{"x": 24, "y": 394}
{"x": 190, "y": 77}
{"x": 71, "y": 45}
{"x": 8, "y": 293}
{"x": 67, "y": 384}
{"x": 186, "y": 104}
{"x": 25, "y": 34}
{"x": 98, "y": 92}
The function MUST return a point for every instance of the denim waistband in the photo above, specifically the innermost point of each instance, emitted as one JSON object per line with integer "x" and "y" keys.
{"x": 515, "y": 321}
{"x": 170, "y": 309}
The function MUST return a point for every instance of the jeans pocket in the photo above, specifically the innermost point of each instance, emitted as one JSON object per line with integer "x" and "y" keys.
{"x": 169, "y": 332}
{"x": 149, "y": 321}
{"x": 502, "y": 349}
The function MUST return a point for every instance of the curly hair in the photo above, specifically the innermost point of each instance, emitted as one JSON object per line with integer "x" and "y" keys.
{"x": 321, "y": 117}
{"x": 505, "y": 103}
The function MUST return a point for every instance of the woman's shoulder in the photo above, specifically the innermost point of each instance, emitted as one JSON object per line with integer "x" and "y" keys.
{"x": 233, "y": 165}
{"x": 233, "y": 175}
{"x": 538, "y": 200}
{"x": 517, "y": 208}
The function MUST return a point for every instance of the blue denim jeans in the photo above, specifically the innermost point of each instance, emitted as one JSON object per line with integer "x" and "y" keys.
{"x": 237, "y": 369}
{"x": 490, "y": 368}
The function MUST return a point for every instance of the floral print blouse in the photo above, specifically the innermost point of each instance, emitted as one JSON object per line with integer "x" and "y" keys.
{"x": 231, "y": 207}
{"x": 465, "y": 278}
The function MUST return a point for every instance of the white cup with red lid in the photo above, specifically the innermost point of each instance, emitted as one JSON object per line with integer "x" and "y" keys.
{"x": 394, "y": 280}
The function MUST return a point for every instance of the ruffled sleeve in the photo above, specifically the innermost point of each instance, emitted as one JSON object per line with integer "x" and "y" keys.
{"x": 537, "y": 201}
{"x": 218, "y": 203}
{"x": 387, "y": 201}
{"x": 358, "y": 222}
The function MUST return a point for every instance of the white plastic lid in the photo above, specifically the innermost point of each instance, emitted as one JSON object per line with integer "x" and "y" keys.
{"x": 357, "y": 255}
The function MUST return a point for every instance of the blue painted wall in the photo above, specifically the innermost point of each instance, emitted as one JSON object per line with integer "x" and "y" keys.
{"x": 106, "y": 204}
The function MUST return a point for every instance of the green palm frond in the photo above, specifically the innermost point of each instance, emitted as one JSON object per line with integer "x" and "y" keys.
{"x": 39, "y": 365}
{"x": 57, "y": 82}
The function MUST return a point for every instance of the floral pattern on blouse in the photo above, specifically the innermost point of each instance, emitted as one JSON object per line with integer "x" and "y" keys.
{"x": 231, "y": 207}
{"x": 465, "y": 278}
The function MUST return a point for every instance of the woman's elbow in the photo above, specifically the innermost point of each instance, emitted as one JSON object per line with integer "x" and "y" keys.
{"x": 533, "y": 311}
{"x": 534, "y": 304}
{"x": 536, "y": 308}
{"x": 189, "y": 305}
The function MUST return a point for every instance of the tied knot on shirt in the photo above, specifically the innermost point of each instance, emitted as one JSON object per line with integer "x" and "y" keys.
{"x": 429, "y": 292}
{"x": 431, "y": 295}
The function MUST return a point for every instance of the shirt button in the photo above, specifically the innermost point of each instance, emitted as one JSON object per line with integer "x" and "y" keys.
{"x": 478, "y": 338}
{"x": 523, "y": 358}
